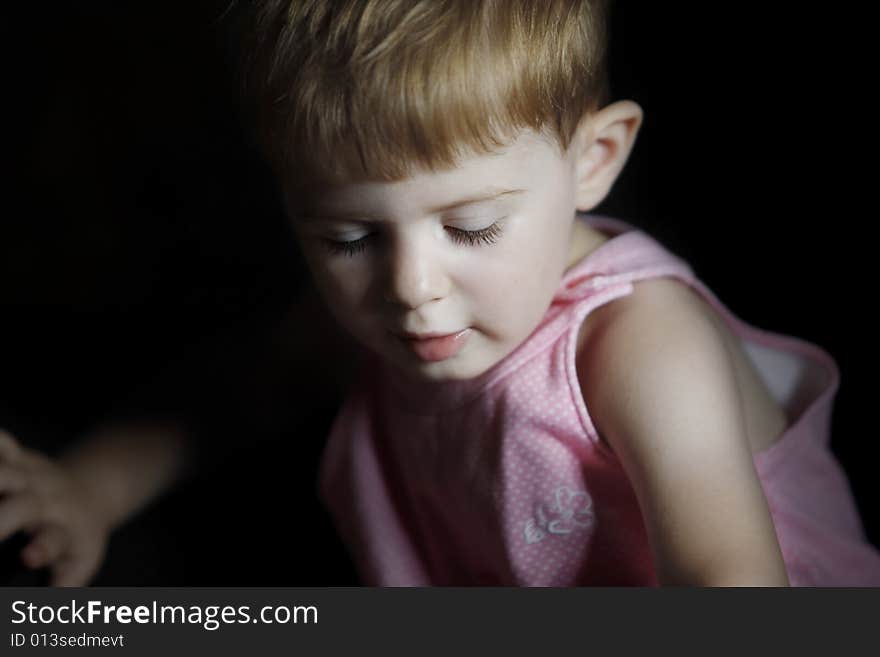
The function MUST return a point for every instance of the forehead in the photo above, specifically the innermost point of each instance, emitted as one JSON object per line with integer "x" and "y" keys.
{"x": 518, "y": 165}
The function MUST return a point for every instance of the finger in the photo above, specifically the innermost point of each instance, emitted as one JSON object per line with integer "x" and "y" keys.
{"x": 17, "y": 512}
{"x": 12, "y": 480}
{"x": 9, "y": 447}
{"x": 71, "y": 571}
{"x": 46, "y": 547}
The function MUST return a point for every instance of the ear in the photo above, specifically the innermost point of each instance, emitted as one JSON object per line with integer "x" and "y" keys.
{"x": 601, "y": 147}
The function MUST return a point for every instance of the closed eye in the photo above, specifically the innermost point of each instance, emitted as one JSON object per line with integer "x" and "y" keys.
{"x": 482, "y": 237}
{"x": 487, "y": 235}
{"x": 350, "y": 248}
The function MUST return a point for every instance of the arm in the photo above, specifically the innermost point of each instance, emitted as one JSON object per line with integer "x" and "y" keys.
{"x": 662, "y": 390}
{"x": 70, "y": 505}
{"x": 122, "y": 467}
{"x": 241, "y": 379}
{"x": 153, "y": 438}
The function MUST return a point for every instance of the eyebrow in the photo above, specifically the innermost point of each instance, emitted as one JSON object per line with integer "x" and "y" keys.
{"x": 489, "y": 194}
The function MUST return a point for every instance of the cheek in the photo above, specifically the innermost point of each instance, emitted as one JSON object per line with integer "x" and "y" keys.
{"x": 342, "y": 287}
{"x": 537, "y": 258}
{"x": 342, "y": 284}
{"x": 510, "y": 291}
{"x": 541, "y": 264}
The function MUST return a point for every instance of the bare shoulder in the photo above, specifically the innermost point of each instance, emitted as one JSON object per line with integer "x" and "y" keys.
{"x": 653, "y": 304}
{"x": 663, "y": 392}
{"x": 662, "y": 334}
{"x": 657, "y": 293}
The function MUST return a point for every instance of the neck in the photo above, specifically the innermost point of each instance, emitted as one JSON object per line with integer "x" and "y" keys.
{"x": 584, "y": 240}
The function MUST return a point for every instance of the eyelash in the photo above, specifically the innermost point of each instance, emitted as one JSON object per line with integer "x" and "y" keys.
{"x": 482, "y": 237}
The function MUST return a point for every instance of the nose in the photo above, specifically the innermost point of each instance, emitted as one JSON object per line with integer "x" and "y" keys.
{"x": 415, "y": 273}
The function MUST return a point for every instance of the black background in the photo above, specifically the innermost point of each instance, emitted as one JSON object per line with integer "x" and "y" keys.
{"x": 142, "y": 235}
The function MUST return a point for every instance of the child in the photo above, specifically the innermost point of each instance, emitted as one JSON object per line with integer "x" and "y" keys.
{"x": 546, "y": 397}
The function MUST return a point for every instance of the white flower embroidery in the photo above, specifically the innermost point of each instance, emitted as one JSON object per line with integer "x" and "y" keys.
{"x": 571, "y": 510}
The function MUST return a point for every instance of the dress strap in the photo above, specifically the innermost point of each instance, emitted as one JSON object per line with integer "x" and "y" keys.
{"x": 628, "y": 256}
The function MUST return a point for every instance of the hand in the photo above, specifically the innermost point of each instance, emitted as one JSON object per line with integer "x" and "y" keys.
{"x": 47, "y": 501}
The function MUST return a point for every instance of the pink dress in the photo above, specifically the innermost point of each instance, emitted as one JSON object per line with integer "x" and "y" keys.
{"x": 501, "y": 479}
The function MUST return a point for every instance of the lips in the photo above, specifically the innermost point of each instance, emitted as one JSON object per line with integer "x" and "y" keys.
{"x": 433, "y": 347}
{"x": 424, "y": 336}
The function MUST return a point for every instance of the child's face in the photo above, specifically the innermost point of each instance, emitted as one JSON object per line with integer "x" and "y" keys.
{"x": 391, "y": 258}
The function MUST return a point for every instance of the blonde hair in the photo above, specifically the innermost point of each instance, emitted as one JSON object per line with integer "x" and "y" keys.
{"x": 348, "y": 90}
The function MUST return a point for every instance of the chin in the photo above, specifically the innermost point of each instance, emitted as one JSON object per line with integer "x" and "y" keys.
{"x": 454, "y": 369}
